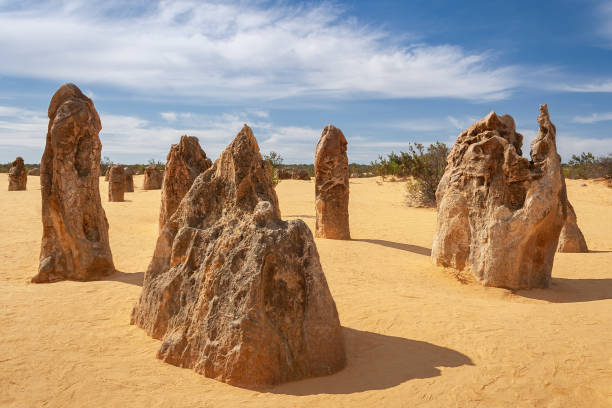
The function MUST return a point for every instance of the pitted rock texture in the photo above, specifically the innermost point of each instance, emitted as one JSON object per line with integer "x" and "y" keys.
{"x": 129, "y": 179}
{"x": 34, "y": 172}
{"x": 152, "y": 178}
{"x": 75, "y": 230}
{"x": 499, "y": 214}
{"x": 185, "y": 161}
{"x": 332, "y": 185}
{"x": 571, "y": 238}
{"x": 18, "y": 178}
{"x": 234, "y": 292}
{"x": 116, "y": 183}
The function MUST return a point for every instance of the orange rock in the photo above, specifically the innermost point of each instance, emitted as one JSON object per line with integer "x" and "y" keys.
{"x": 499, "y": 214}
{"x": 152, "y": 178}
{"x": 116, "y": 183}
{"x": 234, "y": 292}
{"x": 18, "y": 178}
{"x": 75, "y": 230}
{"x": 332, "y": 185}
{"x": 185, "y": 161}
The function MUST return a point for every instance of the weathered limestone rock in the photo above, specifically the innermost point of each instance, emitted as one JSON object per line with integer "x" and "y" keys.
{"x": 75, "y": 230}
{"x": 499, "y": 214}
{"x": 18, "y": 178}
{"x": 116, "y": 183}
{"x": 185, "y": 161}
{"x": 152, "y": 178}
{"x": 34, "y": 172}
{"x": 332, "y": 185}
{"x": 234, "y": 292}
{"x": 107, "y": 173}
{"x": 571, "y": 238}
{"x": 129, "y": 180}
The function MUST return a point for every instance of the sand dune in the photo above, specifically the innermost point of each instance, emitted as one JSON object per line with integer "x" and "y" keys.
{"x": 415, "y": 334}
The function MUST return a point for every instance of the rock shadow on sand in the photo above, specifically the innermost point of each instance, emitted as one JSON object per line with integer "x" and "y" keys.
{"x": 377, "y": 362}
{"x": 397, "y": 245}
{"x": 563, "y": 290}
{"x": 135, "y": 278}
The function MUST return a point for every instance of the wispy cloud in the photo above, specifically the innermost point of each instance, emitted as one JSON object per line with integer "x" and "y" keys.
{"x": 602, "y": 86}
{"x": 593, "y": 118}
{"x": 235, "y": 50}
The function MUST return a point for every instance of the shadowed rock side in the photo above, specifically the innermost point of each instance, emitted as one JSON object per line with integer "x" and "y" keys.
{"x": 116, "y": 183}
{"x": 75, "y": 230}
{"x": 332, "y": 185}
{"x": 107, "y": 173}
{"x": 234, "y": 292}
{"x": 185, "y": 161}
{"x": 499, "y": 214}
{"x": 129, "y": 180}
{"x": 18, "y": 178}
{"x": 571, "y": 238}
{"x": 152, "y": 178}
{"x": 34, "y": 172}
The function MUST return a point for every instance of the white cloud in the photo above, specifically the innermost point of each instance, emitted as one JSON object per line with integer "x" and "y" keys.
{"x": 169, "y": 116}
{"x": 603, "y": 86}
{"x": 236, "y": 50}
{"x": 570, "y": 144}
{"x": 593, "y": 118}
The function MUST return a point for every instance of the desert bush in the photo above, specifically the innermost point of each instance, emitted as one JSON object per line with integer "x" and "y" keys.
{"x": 426, "y": 166}
{"x": 273, "y": 161}
{"x": 586, "y": 166}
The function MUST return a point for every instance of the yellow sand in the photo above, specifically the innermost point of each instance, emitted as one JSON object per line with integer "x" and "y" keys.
{"x": 415, "y": 335}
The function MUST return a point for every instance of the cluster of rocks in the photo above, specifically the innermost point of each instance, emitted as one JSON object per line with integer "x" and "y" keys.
{"x": 238, "y": 294}
{"x": 500, "y": 215}
{"x": 298, "y": 174}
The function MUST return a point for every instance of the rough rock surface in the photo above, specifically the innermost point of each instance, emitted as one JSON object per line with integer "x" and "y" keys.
{"x": 332, "y": 185}
{"x": 152, "y": 178}
{"x": 75, "y": 230}
{"x": 234, "y": 292}
{"x": 499, "y": 214}
{"x": 284, "y": 174}
{"x": 129, "y": 180}
{"x": 571, "y": 238}
{"x": 185, "y": 161}
{"x": 18, "y": 178}
{"x": 34, "y": 172}
{"x": 107, "y": 173}
{"x": 116, "y": 183}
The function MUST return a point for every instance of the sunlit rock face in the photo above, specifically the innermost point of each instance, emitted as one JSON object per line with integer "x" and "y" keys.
{"x": 332, "y": 185}
{"x": 499, "y": 214}
{"x": 234, "y": 292}
{"x": 75, "y": 230}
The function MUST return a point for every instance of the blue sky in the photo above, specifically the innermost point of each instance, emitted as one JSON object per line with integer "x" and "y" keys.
{"x": 385, "y": 72}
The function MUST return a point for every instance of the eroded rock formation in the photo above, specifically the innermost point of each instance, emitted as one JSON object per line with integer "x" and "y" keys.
{"x": 234, "y": 292}
{"x": 75, "y": 230}
{"x": 107, "y": 172}
{"x": 129, "y": 179}
{"x": 185, "y": 161}
{"x": 499, "y": 214}
{"x": 116, "y": 183}
{"x": 152, "y": 178}
{"x": 298, "y": 174}
{"x": 18, "y": 178}
{"x": 571, "y": 238}
{"x": 34, "y": 172}
{"x": 332, "y": 185}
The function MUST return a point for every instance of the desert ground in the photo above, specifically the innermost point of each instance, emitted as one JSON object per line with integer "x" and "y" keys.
{"x": 416, "y": 334}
